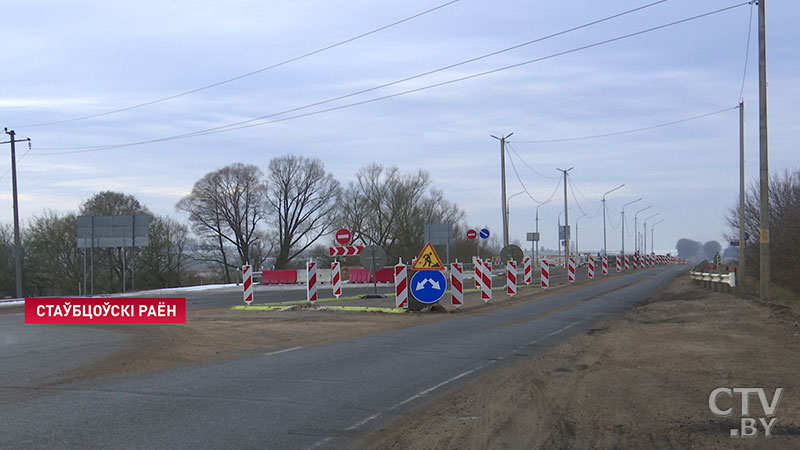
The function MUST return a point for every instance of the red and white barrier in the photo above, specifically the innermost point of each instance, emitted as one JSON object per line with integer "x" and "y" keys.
{"x": 545, "y": 274}
{"x": 635, "y": 261}
{"x": 511, "y": 278}
{"x": 527, "y": 269}
{"x": 311, "y": 283}
{"x": 618, "y": 263}
{"x": 401, "y": 286}
{"x": 591, "y": 267}
{"x": 605, "y": 265}
{"x": 645, "y": 261}
{"x": 476, "y": 262}
{"x": 346, "y": 251}
{"x": 627, "y": 263}
{"x": 247, "y": 283}
{"x": 336, "y": 278}
{"x": 486, "y": 281}
{"x": 571, "y": 270}
{"x": 456, "y": 285}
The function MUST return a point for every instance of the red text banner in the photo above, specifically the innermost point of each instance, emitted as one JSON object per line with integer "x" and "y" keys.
{"x": 105, "y": 310}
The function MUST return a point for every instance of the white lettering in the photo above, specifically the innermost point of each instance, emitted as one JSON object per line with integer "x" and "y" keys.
{"x": 712, "y": 402}
{"x": 748, "y": 427}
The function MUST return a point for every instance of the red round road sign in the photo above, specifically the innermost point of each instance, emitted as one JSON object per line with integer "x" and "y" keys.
{"x": 343, "y": 236}
{"x": 472, "y": 234}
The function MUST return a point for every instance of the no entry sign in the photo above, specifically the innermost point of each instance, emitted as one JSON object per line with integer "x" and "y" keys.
{"x": 472, "y": 234}
{"x": 343, "y": 236}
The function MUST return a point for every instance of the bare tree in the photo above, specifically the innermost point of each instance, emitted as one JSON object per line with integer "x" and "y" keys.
{"x": 784, "y": 193}
{"x": 56, "y": 264}
{"x": 390, "y": 209}
{"x": 227, "y": 205}
{"x": 304, "y": 199}
{"x": 164, "y": 262}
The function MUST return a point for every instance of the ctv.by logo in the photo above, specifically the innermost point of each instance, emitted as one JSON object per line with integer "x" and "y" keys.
{"x": 748, "y": 425}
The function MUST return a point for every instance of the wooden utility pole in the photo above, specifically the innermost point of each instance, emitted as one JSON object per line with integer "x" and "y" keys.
{"x": 17, "y": 244}
{"x": 763, "y": 153}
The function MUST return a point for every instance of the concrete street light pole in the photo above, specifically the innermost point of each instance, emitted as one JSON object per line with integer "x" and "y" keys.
{"x": 636, "y": 227}
{"x": 604, "y": 216}
{"x": 623, "y": 223}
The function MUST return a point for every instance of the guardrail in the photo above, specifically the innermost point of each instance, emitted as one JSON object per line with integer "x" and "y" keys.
{"x": 715, "y": 281}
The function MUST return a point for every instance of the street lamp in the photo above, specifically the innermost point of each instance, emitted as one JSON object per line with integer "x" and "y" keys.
{"x": 623, "y": 223}
{"x": 577, "y": 252}
{"x": 508, "y": 212}
{"x": 645, "y": 230}
{"x": 652, "y": 241}
{"x": 636, "y": 227}
{"x": 536, "y": 260}
{"x": 604, "y": 215}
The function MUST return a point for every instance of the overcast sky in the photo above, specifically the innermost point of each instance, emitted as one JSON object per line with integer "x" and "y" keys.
{"x": 67, "y": 60}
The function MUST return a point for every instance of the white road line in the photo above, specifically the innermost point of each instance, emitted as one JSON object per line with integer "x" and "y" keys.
{"x": 282, "y": 351}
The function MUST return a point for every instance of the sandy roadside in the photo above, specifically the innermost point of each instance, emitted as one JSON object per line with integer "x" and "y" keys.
{"x": 638, "y": 381}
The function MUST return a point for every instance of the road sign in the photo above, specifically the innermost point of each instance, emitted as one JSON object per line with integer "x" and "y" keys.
{"x": 472, "y": 234}
{"x": 484, "y": 233}
{"x": 373, "y": 258}
{"x": 510, "y": 252}
{"x": 428, "y": 286}
{"x": 428, "y": 259}
{"x": 533, "y": 237}
{"x": 346, "y": 251}
{"x": 343, "y": 236}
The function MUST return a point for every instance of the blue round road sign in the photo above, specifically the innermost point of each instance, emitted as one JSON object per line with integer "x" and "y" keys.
{"x": 484, "y": 233}
{"x": 428, "y": 286}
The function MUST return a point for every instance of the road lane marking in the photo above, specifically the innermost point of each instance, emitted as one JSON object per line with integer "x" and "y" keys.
{"x": 282, "y": 351}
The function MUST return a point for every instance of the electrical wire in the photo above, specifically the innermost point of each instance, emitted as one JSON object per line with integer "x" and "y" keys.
{"x": 30, "y": 147}
{"x": 248, "y": 74}
{"x": 508, "y": 145}
{"x": 611, "y": 222}
{"x": 250, "y": 124}
{"x": 636, "y": 130}
{"x": 572, "y": 189}
{"x": 524, "y": 188}
{"x": 747, "y": 50}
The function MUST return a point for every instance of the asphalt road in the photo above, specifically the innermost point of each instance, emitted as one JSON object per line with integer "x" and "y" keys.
{"x": 316, "y": 397}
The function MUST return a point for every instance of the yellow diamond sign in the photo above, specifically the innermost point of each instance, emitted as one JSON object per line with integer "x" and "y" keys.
{"x": 428, "y": 259}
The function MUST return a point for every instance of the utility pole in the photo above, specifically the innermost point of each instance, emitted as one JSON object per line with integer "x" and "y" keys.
{"x": 636, "y": 226}
{"x": 652, "y": 239}
{"x": 536, "y": 260}
{"x": 623, "y": 223}
{"x": 742, "y": 242}
{"x": 17, "y": 245}
{"x": 504, "y": 205}
{"x": 604, "y": 216}
{"x": 645, "y": 231}
{"x": 566, "y": 217}
{"x": 763, "y": 153}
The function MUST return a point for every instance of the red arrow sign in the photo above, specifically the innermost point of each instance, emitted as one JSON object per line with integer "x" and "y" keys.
{"x": 472, "y": 234}
{"x": 346, "y": 251}
{"x": 343, "y": 236}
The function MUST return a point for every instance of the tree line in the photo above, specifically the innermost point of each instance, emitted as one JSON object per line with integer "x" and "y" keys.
{"x": 238, "y": 214}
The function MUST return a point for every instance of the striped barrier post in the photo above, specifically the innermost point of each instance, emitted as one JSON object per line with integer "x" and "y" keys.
{"x": 511, "y": 278}
{"x": 247, "y": 283}
{"x": 591, "y": 267}
{"x": 605, "y": 265}
{"x": 456, "y": 285}
{"x": 618, "y": 263}
{"x": 476, "y": 262}
{"x": 311, "y": 284}
{"x": 627, "y": 263}
{"x": 545, "y": 274}
{"x": 527, "y": 270}
{"x": 336, "y": 278}
{"x": 635, "y": 261}
{"x": 571, "y": 270}
{"x": 486, "y": 281}
{"x": 400, "y": 285}
{"x": 644, "y": 262}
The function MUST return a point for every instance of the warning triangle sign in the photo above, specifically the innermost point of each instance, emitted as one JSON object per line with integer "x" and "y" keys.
{"x": 428, "y": 259}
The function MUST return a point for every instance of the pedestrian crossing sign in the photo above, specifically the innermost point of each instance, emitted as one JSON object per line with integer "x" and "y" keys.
{"x": 428, "y": 259}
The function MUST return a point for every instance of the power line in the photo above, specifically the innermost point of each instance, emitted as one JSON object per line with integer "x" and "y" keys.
{"x": 572, "y": 188}
{"x": 524, "y": 188}
{"x": 508, "y": 144}
{"x": 636, "y": 130}
{"x": 747, "y": 50}
{"x": 253, "y": 122}
{"x": 248, "y": 74}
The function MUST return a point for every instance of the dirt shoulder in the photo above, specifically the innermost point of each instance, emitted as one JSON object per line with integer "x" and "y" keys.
{"x": 638, "y": 381}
